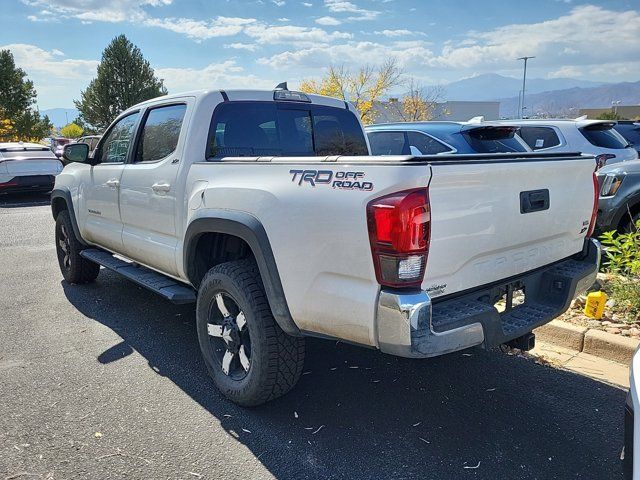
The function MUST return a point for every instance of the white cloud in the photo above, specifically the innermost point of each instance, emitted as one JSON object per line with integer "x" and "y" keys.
{"x": 357, "y": 13}
{"x": 567, "y": 71}
{"x": 590, "y": 34}
{"x": 328, "y": 21}
{"x": 94, "y": 10}
{"x": 201, "y": 29}
{"x": 225, "y": 75}
{"x": 307, "y": 4}
{"x": 251, "y": 47}
{"x": 278, "y": 3}
{"x": 290, "y": 34}
{"x": 395, "y": 33}
{"x": 37, "y": 61}
{"x": 589, "y": 41}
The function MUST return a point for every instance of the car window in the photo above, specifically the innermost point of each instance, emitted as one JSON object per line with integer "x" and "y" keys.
{"x": 266, "y": 128}
{"x": 388, "y": 143}
{"x": 539, "y": 137}
{"x": 116, "y": 143}
{"x": 604, "y": 136}
{"x": 160, "y": 133}
{"x": 426, "y": 144}
{"x": 630, "y": 131}
{"x": 494, "y": 140}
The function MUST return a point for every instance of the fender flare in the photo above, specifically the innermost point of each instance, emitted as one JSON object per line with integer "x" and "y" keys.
{"x": 66, "y": 196}
{"x": 249, "y": 229}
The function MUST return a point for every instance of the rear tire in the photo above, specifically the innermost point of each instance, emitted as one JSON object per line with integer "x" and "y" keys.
{"x": 74, "y": 268}
{"x": 249, "y": 357}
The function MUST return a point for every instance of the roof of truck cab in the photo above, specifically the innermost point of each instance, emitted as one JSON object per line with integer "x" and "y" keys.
{"x": 239, "y": 95}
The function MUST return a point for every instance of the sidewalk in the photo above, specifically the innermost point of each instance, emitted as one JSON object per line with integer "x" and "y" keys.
{"x": 583, "y": 363}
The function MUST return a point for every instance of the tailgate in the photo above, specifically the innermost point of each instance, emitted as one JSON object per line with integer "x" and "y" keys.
{"x": 496, "y": 219}
{"x": 32, "y": 166}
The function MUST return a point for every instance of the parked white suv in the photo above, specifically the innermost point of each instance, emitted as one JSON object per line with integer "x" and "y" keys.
{"x": 595, "y": 137}
{"x": 265, "y": 209}
{"x": 27, "y": 167}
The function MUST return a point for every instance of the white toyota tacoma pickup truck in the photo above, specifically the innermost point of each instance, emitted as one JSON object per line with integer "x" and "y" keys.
{"x": 266, "y": 210}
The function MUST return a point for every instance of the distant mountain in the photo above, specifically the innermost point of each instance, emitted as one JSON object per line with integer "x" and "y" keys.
{"x": 490, "y": 86}
{"x": 60, "y": 116}
{"x": 567, "y": 102}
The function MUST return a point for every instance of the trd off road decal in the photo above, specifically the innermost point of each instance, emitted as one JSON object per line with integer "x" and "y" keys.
{"x": 342, "y": 180}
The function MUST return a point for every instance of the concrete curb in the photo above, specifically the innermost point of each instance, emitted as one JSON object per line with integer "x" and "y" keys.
{"x": 588, "y": 340}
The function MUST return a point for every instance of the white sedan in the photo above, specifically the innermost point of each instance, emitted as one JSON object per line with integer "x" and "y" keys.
{"x": 27, "y": 167}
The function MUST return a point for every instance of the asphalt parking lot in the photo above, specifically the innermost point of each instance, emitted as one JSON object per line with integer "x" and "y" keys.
{"x": 106, "y": 381}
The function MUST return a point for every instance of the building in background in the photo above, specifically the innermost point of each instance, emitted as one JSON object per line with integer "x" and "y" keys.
{"x": 455, "y": 111}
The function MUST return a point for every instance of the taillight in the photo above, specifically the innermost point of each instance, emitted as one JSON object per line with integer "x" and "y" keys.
{"x": 601, "y": 160}
{"x": 399, "y": 232}
{"x": 594, "y": 212}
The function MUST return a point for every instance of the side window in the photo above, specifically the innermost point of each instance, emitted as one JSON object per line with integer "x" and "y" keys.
{"x": 539, "y": 137}
{"x": 425, "y": 144}
{"x": 388, "y": 143}
{"x": 160, "y": 133}
{"x": 116, "y": 143}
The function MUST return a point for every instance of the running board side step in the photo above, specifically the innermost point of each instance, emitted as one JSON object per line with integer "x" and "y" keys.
{"x": 166, "y": 287}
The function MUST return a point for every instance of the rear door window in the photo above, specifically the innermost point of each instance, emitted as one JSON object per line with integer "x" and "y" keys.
{"x": 539, "y": 137}
{"x": 250, "y": 129}
{"x": 425, "y": 144}
{"x": 388, "y": 143}
{"x": 604, "y": 136}
{"x": 160, "y": 133}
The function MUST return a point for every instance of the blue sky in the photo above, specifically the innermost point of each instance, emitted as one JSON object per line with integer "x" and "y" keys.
{"x": 246, "y": 44}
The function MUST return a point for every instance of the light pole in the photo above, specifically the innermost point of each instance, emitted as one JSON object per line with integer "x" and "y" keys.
{"x": 614, "y": 105}
{"x": 524, "y": 83}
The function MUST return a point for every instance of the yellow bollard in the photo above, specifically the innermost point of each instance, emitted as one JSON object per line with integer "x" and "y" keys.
{"x": 594, "y": 306}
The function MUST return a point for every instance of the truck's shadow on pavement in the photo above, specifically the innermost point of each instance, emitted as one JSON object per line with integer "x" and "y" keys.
{"x": 357, "y": 413}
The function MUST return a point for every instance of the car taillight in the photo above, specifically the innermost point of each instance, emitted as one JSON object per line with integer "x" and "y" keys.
{"x": 594, "y": 212}
{"x": 601, "y": 160}
{"x": 399, "y": 232}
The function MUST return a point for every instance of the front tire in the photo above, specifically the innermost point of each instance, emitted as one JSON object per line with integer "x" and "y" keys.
{"x": 74, "y": 268}
{"x": 249, "y": 357}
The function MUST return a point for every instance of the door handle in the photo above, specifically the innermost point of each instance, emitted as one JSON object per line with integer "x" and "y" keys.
{"x": 113, "y": 183}
{"x": 160, "y": 187}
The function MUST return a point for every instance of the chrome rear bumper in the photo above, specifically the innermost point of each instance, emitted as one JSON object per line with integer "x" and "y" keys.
{"x": 412, "y": 325}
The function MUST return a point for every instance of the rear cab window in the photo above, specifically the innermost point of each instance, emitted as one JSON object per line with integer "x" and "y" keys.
{"x": 494, "y": 140}
{"x": 539, "y": 137}
{"x": 603, "y": 135}
{"x": 253, "y": 129}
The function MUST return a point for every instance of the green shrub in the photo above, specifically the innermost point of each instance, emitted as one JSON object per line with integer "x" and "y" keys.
{"x": 626, "y": 293}
{"x": 622, "y": 252}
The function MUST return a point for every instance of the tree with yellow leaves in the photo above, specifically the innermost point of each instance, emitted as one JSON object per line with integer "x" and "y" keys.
{"x": 363, "y": 88}
{"x": 419, "y": 103}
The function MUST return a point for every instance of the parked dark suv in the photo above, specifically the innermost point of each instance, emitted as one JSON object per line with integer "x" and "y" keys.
{"x": 619, "y": 204}
{"x": 432, "y": 138}
{"x": 630, "y": 130}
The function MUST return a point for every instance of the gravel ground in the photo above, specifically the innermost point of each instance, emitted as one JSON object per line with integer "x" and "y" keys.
{"x": 106, "y": 381}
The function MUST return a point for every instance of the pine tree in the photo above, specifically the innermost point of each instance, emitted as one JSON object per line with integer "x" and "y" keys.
{"x": 124, "y": 78}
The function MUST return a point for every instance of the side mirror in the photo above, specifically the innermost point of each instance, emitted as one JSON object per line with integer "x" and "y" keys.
{"x": 76, "y": 152}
